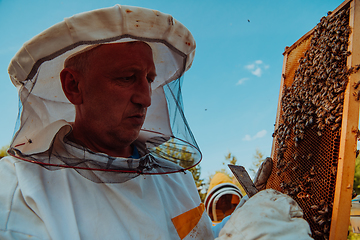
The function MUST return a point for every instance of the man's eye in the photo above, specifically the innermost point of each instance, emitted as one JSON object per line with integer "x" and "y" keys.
{"x": 150, "y": 80}
{"x": 125, "y": 80}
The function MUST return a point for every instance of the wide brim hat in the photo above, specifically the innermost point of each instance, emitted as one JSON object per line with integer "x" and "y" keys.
{"x": 35, "y": 71}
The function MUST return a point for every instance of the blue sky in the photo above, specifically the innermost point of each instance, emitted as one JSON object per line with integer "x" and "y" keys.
{"x": 230, "y": 93}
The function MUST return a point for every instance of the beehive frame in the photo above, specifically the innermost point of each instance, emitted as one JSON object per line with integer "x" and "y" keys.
{"x": 338, "y": 147}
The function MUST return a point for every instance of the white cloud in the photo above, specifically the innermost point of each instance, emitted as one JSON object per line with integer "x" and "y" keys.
{"x": 247, "y": 138}
{"x": 250, "y": 66}
{"x": 260, "y": 134}
{"x": 257, "y": 72}
{"x": 241, "y": 81}
{"x": 257, "y": 68}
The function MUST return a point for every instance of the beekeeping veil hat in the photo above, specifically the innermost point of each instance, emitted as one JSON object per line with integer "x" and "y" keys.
{"x": 45, "y": 112}
{"x": 222, "y": 197}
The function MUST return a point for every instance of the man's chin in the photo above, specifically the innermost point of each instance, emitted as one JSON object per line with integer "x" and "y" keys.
{"x": 128, "y": 136}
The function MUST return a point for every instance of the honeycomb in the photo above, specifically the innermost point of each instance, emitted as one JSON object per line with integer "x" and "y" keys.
{"x": 307, "y": 134}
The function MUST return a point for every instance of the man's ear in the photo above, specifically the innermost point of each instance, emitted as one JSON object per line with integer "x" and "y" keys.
{"x": 70, "y": 85}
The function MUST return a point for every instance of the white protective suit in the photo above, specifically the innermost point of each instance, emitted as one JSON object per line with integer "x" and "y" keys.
{"x": 36, "y": 203}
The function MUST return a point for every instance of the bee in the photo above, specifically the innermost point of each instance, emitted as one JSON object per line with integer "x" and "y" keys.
{"x": 302, "y": 195}
{"x": 325, "y": 208}
{"x": 315, "y": 207}
{"x": 316, "y": 218}
{"x": 312, "y": 171}
{"x": 326, "y": 228}
{"x": 321, "y": 222}
{"x": 29, "y": 140}
{"x": 335, "y": 126}
{"x": 357, "y": 95}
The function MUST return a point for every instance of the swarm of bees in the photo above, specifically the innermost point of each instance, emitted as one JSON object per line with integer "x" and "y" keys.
{"x": 314, "y": 102}
{"x": 302, "y": 188}
{"x": 322, "y": 218}
{"x": 315, "y": 99}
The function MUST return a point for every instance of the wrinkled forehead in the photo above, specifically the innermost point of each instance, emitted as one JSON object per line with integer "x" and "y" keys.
{"x": 102, "y": 51}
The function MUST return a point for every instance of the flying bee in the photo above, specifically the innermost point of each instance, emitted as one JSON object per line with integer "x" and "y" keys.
{"x": 29, "y": 140}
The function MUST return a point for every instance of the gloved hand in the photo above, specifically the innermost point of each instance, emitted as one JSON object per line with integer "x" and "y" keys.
{"x": 268, "y": 215}
{"x": 263, "y": 174}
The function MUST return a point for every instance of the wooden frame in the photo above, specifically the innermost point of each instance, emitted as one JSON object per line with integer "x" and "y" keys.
{"x": 340, "y": 219}
{"x": 346, "y": 163}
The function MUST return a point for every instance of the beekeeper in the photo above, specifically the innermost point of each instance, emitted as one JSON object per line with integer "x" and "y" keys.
{"x": 222, "y": 197}
{"x": 100, "y": 109}
{"x": 100, "y": 98}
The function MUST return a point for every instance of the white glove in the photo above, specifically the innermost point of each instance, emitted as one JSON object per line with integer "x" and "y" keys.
{"x": 270, "y": 215}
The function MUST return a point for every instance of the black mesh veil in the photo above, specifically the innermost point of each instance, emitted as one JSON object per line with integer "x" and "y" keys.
{"x": 160, "y": 154}
{"x": 165, "y": 144}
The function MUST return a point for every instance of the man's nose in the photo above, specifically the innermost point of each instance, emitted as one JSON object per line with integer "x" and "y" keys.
{"x": 142, "y": 93}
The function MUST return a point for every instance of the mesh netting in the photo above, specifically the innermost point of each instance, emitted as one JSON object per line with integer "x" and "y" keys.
{"x": 165, "y": 143}
{"x": 160, "y": 154}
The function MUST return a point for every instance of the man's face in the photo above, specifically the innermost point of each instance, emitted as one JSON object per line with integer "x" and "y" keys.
{"x": 116, "y": 92}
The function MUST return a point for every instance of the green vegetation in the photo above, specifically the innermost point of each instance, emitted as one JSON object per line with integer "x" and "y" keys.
{"x": 3, "y": 151}
{"x": 170, "y": 150}
{"x": 229, "y": 159}
{"x": 353, "y": 236}
{"x": 259, "y": 158}
{"x": 356, "y": 186}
